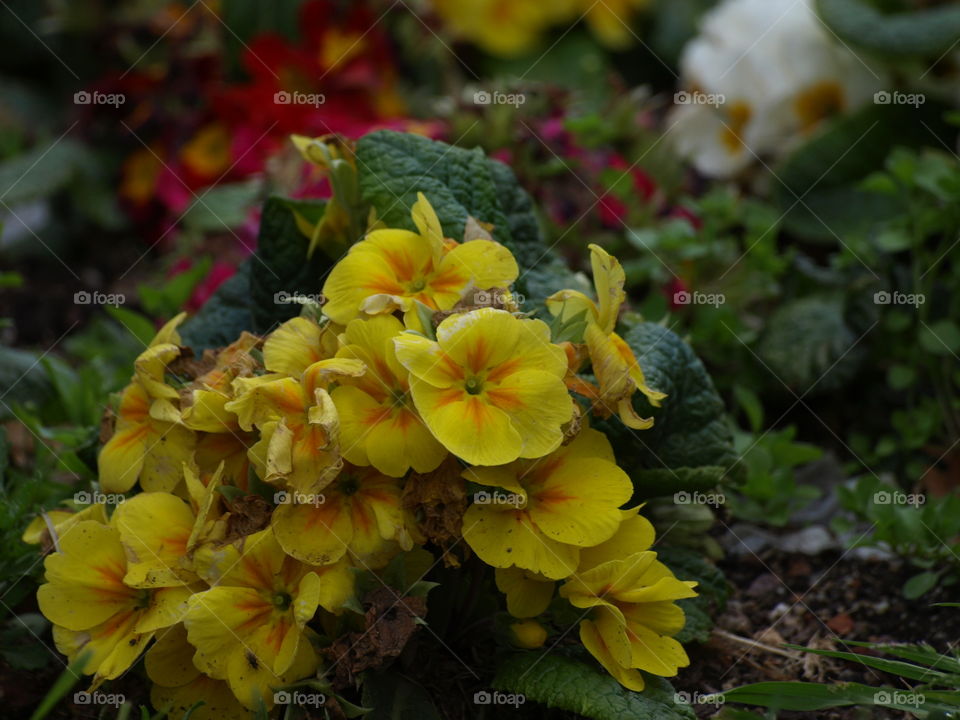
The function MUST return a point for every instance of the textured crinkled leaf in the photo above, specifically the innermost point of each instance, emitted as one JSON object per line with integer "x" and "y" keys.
{"x": 223, "y": 316}
{"x": 281, "y": 265}
{"x": 657, "y": 482}
{"x": 809, "y": 346}
{"x": 690, "y": 428}
{"x": 562, "y": 682}
{"x": 459, "y": 183}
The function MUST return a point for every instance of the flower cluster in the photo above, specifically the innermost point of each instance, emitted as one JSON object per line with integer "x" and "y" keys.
{"x": 420, "y": 370}
{"x": 760, "y": 76}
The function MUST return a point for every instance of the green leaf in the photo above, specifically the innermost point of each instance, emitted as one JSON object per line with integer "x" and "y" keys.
{"x": 920, "y": 584}
{"x": 394, "y": 697}
{"x": 221, "y": 208}
{"x": 394, "y": 167}
{"x": 928, "y": 32}
{"x": 941, "y": 337}
{"x": 748, "y": 400}
{"x": 820, "y": 183}
{"x": 894, "y": 667}
{"x": 22, "y": 380}
{"x": 808, "y": 696}
{"x": 167, "y": 298}
{"x": 224, "y": 316}
{"x": 658, "y": 482}
{"x": 138, "y": 325}
{"x": 67, "y": 679}
{"x": 893, "y": 240}
{"x": 280, "y": 266}
{"x": 809, "y": 347}
{"x": 900, "y": 377}
{"x": 923, "y": 654}
{"x": 690, "y": 428}
{"x": 574, "y": 61}
{"x": 41, "y": 171}
{"x": 563, "y": 682}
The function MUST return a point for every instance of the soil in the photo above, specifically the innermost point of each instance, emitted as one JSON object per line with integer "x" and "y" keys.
{"x": 819, "y": 601}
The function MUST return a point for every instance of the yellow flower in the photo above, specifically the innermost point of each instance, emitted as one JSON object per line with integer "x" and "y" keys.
{"x": 614, "y": 364}
{"x": 297, "y": 344}
{"x": 503, "y": 27}
{"x": 159, "y": 532}
{"x": 391, "y": 269}
{"x": 179, "y": 685}
{"x": 378, "y": 422}
{"x": 92, "y": 609}
{"x": 556, "y": 505}
{"x": 249, "y": 628}
{"x": 490, "y": 388}
{"x": 155, "y": 529}
{"x": 208, "y": 152}
{"x": 610, "y": 20}
{"x": 149, "y": 442}
{"x": 528, "y": 593}
{"x": 360, "y": 513}
{"x": 219, "y": 435}
{"x": 528, "y": 634}
{"x": 38, "y": 531}
{"x": 634, "y": 615}
{"x": 298, "y": 423}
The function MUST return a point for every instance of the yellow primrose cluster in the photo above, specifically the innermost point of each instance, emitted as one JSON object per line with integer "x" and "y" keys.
{"x": 343, "y": 417}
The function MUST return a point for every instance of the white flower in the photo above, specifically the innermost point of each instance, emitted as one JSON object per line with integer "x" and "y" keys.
{"x": 778, "y": 71}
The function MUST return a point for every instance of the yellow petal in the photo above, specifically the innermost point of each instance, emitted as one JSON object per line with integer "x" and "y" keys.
{"x": 220, "y": 622}
{"x": 655, "y": 653}
{"x": 484, "y": 264}
{"x": 168, "y": 448}
{"x": 425, "y": 360}
{"x": 154, "y": 528}
{"x": 528, "y": 594}
{"x": 62, "y": 521}
{"x": 169, "y": 662}
{"x": 208, "y": 412}
{"x": 592, "y": 640}
{"x": 337, "y": 583}
{"x": 470, "y": 428}
{"x": 384, "y": 263}
{"x": 219, "y": 702}
{"x": 480, "y": 339}
{"x": 151, "y": 366}
{"x": 252, "y": 680}
{"x": 579, "y": 502}
{"x": 428, "y": 225}
{"x": 121, "y": 459}
{"x": 85, "y": 579}
{"x": 167, "y": 607}
{"x": 260, "y": 399}
{"x": 635, "y": 534}
{"x": 538, "y": 404}
{"x": 297, "y": 344}
{"x": 505, "y": 538}
{"x": 168, "y": 333}
{"x": 316, "y": 534}
{"x": 608, "y": 279}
